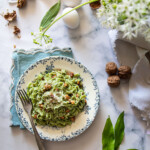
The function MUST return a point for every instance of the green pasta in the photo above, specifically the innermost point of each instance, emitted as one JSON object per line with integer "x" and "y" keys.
{"x": 57, "y": 98}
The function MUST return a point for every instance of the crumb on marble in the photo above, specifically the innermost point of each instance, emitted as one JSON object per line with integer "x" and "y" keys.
{"x": 17, "y": 31}
{"x": 14, "y": 46}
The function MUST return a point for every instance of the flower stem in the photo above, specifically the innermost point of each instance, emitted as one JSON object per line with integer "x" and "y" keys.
{"x": 91, "y": 1}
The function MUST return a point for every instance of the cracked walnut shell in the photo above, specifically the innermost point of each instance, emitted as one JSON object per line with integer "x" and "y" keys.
{"x": 113, "y": 81}
{"x": 124, "y": 72}
{"x": 111, "y": 68}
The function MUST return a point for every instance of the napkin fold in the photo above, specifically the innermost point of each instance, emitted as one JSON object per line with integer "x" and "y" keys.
{"x": 23, "y": 59}
{"x": 135, "y": 53}
{"x": 139, "y": 43}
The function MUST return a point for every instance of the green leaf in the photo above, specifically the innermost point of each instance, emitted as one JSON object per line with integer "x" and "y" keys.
{"x": 119, "y": 130}
{"x": 108, "y": 136}
{"x": 50, "y": 15}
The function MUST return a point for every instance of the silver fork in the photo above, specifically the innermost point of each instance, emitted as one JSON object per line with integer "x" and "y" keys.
{"x": 27, "y": 104}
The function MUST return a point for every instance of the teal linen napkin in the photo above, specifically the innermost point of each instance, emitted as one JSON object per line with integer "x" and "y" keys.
{"x": 21, "y": 61}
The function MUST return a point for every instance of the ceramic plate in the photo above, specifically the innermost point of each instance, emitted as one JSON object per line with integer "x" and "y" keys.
{"x": 83, "y": 120}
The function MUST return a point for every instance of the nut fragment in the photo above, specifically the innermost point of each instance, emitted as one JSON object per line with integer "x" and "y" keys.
{"x": 111, "y": 68}
{"x": 21, "y": 3}
{"x": 10, "y": 16}
{"x": 16, "y": 30}
{"x": 47, "y": 87}
{"x": 71, "y": 74}
{"x": 95, "y": 5}
{"x": 72, "y": 119}
{"x": 124, "y": 72}
{"x": 72, "y": 102}
{"x": 113, "y": 81}
{"x": 65, "y": 84}
{"x": 67, "y": 97}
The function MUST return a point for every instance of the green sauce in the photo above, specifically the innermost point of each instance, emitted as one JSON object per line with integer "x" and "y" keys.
{"x": 57, "y": 98}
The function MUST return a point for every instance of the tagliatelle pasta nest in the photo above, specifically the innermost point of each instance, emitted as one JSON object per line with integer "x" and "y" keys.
{"x": 57, "y": 98}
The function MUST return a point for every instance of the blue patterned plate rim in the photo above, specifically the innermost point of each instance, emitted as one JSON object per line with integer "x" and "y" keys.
{"x": 89, "y": 122}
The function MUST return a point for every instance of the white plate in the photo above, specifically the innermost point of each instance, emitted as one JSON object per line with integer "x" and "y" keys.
{"x": 83, "y": 120}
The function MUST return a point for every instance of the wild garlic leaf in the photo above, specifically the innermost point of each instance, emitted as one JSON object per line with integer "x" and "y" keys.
{"x": 119, "y": 130}
{"x": 108, "y": 136}
{"x": 50, "y": 15}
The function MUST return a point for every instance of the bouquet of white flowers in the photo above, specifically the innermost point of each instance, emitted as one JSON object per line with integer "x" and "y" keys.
{"x": 128, "y": 16}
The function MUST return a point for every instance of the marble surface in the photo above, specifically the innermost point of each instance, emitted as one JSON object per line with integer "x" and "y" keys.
{"x": 91, "y": 46}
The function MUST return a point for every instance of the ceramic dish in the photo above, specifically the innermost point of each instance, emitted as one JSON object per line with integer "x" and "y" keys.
{"x": 83, "y": 120}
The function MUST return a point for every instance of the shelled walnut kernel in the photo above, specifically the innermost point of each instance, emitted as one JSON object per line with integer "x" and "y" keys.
{"x": 10, "y": 16}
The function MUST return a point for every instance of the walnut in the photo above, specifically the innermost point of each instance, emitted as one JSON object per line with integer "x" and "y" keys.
{"x": 124, "y": 72}
{"x": 71, "y": 74}
{"x": 113, "y": 81}
{"x": 111, "y": 68}
{"x": 67, "y": 97}
{"x": 65, "y": 84}
{"x": 47, "y": 87}
{"x": 95, "y": 5}
{"x": 21, "y": 3}
{"x": 10, "y": 16}
{"x": 16, "y": 30}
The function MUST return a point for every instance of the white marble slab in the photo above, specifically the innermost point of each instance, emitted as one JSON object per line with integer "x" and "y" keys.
{"x": 91, "y": 46}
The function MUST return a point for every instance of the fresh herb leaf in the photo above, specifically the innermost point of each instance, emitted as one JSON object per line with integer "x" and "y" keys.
{"x": 119, "y": 130}
{"x": 50, "y": 15}
{"x": 108, "y": 136}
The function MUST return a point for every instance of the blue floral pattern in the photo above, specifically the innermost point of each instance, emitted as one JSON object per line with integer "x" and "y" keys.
{"x": 84, "y": 120}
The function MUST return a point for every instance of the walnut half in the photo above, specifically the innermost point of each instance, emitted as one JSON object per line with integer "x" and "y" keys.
{"x": 10, "y": 16}
{"x": 21, "y": 3}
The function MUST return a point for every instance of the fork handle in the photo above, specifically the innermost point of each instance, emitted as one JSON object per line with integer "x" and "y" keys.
{"x": 37, "y": 137}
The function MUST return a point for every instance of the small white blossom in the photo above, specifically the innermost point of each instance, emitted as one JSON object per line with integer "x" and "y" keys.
{"x": 40, "y": 38}
{"x": 128, "y": 16}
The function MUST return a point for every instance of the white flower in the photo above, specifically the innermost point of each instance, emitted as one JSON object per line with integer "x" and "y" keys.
{"x": 128, "y": 16}
{"x": 40, "y": 38}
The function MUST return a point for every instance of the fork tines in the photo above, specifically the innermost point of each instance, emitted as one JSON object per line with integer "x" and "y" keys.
{"x": 23, "y": 96}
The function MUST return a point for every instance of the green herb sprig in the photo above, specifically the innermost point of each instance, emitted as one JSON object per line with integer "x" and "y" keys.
{"x": 49, "y": 20}
{"x": 112, "y": 137}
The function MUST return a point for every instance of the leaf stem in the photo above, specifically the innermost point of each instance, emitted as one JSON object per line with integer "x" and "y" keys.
{"x": 91, "y": 1}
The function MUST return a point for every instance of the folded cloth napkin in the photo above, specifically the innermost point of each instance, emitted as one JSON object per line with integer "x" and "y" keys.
{"x": 135, "y": 53}
{"x": 139, "y": 44}
{"x": 21, "y": 61}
